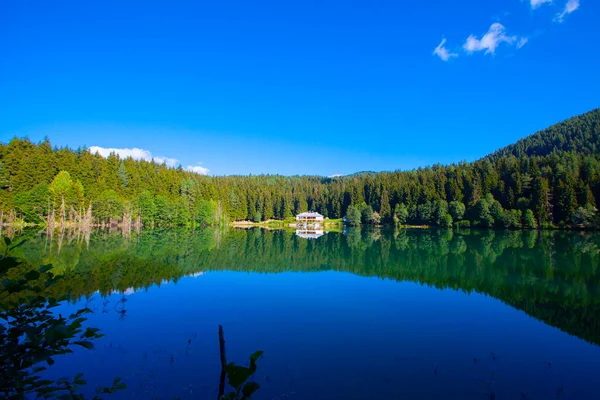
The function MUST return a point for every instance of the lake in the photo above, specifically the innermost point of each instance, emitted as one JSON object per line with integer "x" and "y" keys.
{"x": 364, "y": 314}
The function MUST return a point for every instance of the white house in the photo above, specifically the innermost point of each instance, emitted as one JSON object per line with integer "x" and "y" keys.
{"x": 309, "y": 216}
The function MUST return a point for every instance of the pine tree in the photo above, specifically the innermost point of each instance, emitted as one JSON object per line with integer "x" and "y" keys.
{"x": 123, "y": 176}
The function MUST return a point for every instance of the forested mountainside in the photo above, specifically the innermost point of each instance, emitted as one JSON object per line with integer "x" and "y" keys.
{"x": 578, "y": 135}
{"x": 549, "y": 179}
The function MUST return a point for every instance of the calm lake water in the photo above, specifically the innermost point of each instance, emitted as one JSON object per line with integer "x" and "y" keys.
{"x": 361, "y": 315}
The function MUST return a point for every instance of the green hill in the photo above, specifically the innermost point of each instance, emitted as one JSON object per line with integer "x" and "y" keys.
{"x": 580, "y": 134}
{"x": 549, "y": 179}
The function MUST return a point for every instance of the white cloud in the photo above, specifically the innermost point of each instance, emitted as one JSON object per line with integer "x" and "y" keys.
{"x": 491, "y": 40}
{"x": 198, "y": 169}
{"x": 537, "y": 3}
{"x": 171, "y": 162}
{"x": 570, "y": 7}
{"x": 442, "y": 52}
{"x": 135, "y": 153}
{"x": 335, "y": 176}
{"x": 522, "y": 42}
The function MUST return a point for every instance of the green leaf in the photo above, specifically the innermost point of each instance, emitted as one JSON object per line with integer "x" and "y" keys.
{"x": 90, "y": 333}
{"x": 249, "y": 389}
{"x": 21, "y": 243}
{"x": 7, "y": 241}
{"x": 237, "y": 375}
{"x": 256, "y": 355}
{"x": 32, "y": 275}
{"x": 85, "y": 343}
{"x": 253, "y": 359}
{"x": 45, "y": 268}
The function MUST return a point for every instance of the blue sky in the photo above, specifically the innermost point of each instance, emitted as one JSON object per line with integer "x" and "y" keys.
{"x": 238, "y": 88}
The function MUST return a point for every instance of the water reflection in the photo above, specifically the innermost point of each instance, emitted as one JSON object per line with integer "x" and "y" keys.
{"x": 552, "y": 276}
{"x": 309, "y": 234}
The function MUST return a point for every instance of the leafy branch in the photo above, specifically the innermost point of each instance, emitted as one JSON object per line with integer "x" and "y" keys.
{"x": 32, "y": 334}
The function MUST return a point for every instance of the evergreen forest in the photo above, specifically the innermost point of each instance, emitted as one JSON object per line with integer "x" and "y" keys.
{"x": 550, "y": 179}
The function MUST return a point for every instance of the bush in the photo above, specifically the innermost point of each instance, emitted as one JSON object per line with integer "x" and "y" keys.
{"x": 529, "y": 220}
{"x": 462, "y": 224}
{"x": 446, "y": 221}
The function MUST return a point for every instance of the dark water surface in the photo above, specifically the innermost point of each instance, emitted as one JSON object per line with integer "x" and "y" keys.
{"x": 364, "y": 315}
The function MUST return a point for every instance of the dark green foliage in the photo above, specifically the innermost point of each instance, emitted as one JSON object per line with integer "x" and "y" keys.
{"x": 425, "y": 213}
{"x": 237, "y": 378}
{"x": 552, "y": 173}
{"x": 577, "y": 135}
{"x": 182, "y": 212}
{"x": 165, "y": 211}
{"x": 441, "y": 211}
{"x": 145, "y": 208}
{"x": 384, "y": 206}
{"x": 483, "y": 216}
{"x": 33, "y": 204}
{"x": 205, "y": 212}
{"x": 366, "y": 212}
{"x": 32, "y": 335}
{"x": 462, "y": 224}
{"x": 354, "y": 216}
{"x": 497, "y": 213}
{"x": 529, "y": 221}
{"x": 457, "y": 210}
{"x": 4, "y": 178}
{"x": 513, "y": 219}
{"x": 123, "y": 176}
{"x": 586, "y": 217}
{"x": 400, "y": 213}
{"x": 446, "y": 221}
{"x": 63, "y": 188}
{"x": 362, "y": 214}
{"x": 108, "y": 206}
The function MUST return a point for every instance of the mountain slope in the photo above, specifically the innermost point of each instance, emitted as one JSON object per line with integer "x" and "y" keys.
{"x": 580, "y": 134}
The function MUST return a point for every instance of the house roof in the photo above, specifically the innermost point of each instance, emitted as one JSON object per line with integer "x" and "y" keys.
{"x": 309, "y": 214}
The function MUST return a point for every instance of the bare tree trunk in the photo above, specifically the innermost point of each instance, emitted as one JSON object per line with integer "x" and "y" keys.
{"x": 62, "y": 213}
{"x": 223, "y": 362}
{"x": 89, "y": 219}
{"x": 137, "y": 225}
{"x": 219, "y": 214}
{"x": 61, "y": 237}
{"x": 126, "y": 224}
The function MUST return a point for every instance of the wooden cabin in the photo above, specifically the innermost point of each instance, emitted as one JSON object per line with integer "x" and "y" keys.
{"x": 309, "y": 217}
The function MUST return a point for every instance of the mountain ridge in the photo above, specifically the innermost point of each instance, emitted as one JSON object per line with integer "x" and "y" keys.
{"x": 579, "y": 134}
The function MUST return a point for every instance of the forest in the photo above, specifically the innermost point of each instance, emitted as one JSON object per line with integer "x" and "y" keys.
{"x": 550, "y": 179}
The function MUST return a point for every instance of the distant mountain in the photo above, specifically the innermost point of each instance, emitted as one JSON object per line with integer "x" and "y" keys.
{"x": 362, "y": 173}
{"x": 580, "y": 134}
